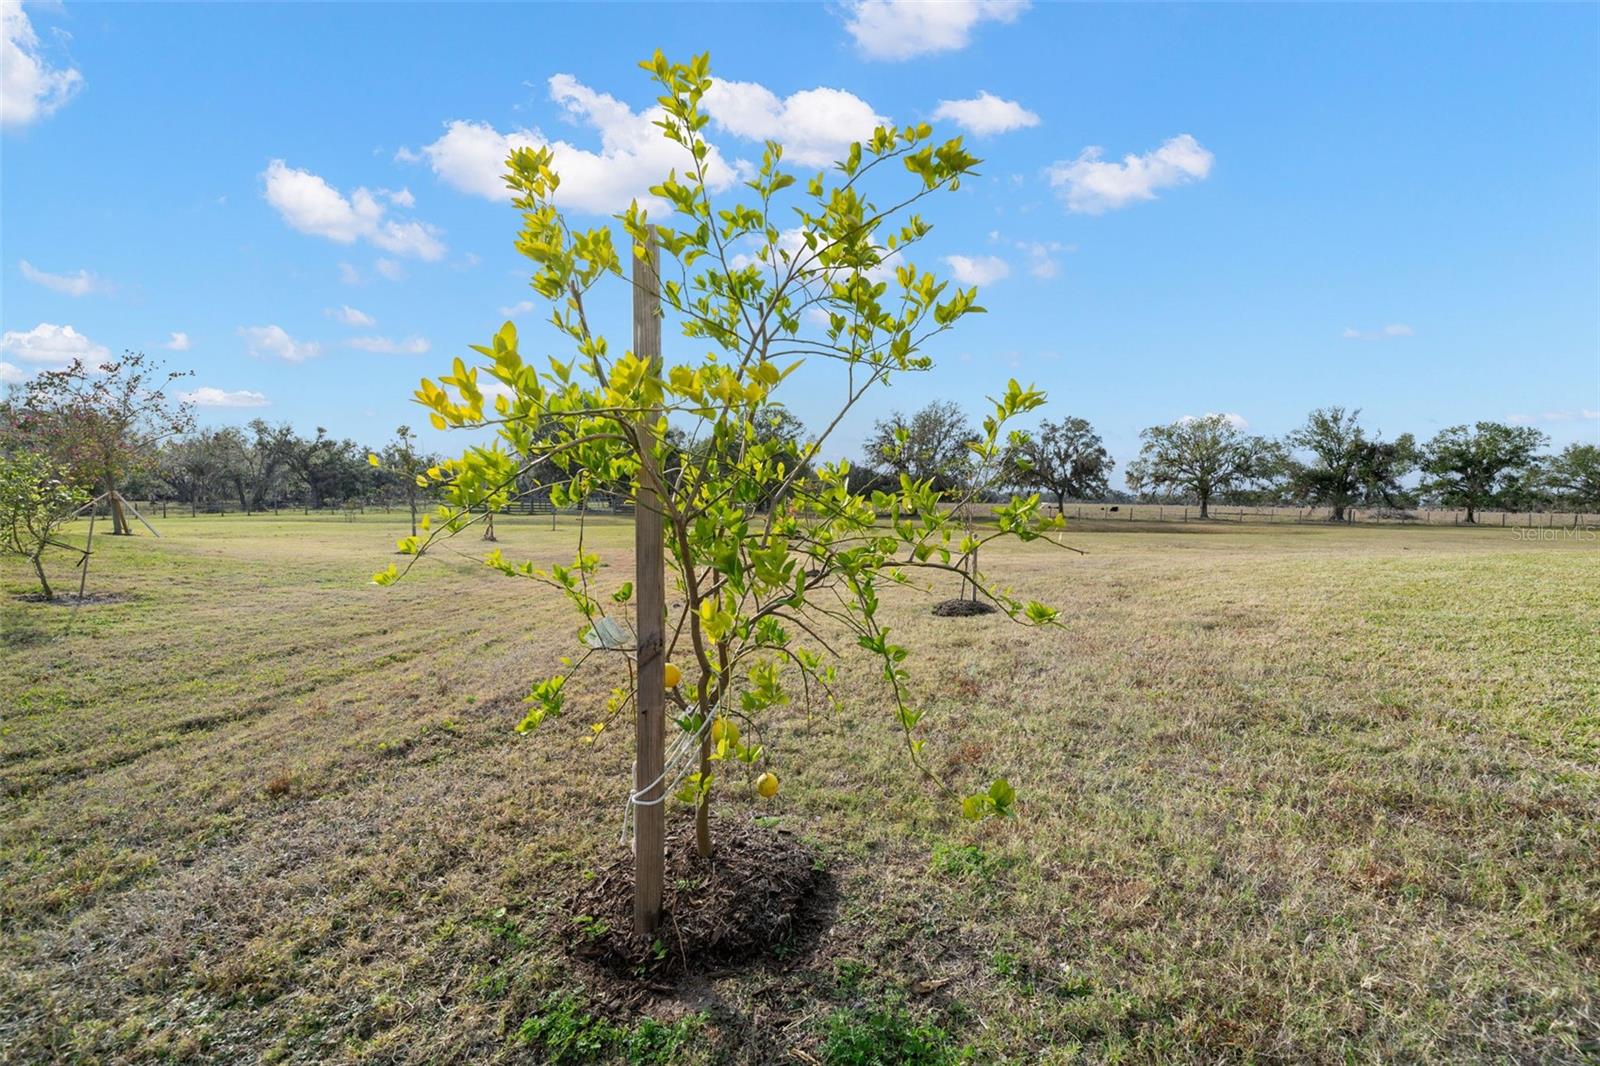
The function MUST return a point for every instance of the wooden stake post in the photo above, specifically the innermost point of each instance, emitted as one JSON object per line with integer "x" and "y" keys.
{"x": 649, "y": 821}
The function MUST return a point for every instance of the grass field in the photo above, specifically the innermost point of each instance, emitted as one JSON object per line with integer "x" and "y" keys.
{"x": 1288, "y": 793}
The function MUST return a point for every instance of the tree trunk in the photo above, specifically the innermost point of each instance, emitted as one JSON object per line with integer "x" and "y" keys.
{"x": 1472, "y": 515}
{"x": 119, "y": 521}
{"x": 1338, "y": 513}
{"x": 1205, "y": 507}
{"x": 702, "y": 811}
{"x": 44, "y": 582}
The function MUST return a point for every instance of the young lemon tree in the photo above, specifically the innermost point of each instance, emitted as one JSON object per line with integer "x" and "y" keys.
{"x": 37, "y": 498}
{"x": 774, "y": 562}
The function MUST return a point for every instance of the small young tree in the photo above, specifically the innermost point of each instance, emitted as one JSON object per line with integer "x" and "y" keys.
{"x": 1575, "y": 476}
{"x": 761, "y": 598}
{"x": 103, "y": 422}
{"x": 1347, "y": 467}
{"x": 407, "y": 466}
{"x": 1065, "y": 458}
{"x": 1476, "y": 467}
{"x": 1201, "y": 458}
{"x": 37, "y": 497}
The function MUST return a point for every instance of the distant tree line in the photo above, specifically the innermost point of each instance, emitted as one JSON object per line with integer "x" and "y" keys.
{"x": 114, "y": 428}
{"x": 260, "y": 466}
{"x": 1331, "y": 461}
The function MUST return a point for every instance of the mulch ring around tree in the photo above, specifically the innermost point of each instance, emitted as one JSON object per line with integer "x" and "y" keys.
{"x": 962, "y": 608}
{"x": 760, "y": 894}
{"x": 70, "y": 599}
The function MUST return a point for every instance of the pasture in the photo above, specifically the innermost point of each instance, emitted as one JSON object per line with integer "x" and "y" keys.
{"x": 1287, "y": 793}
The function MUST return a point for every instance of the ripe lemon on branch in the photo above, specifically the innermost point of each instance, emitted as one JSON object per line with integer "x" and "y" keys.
{"x": 673, "y": 675}
{"x": 767, "y": 785}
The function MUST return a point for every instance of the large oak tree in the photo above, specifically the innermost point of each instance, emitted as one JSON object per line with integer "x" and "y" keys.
{"x": 1065, "y": 458}
{"x": 1345, "y": 466}
{"x": 1201, "y": 459}
{"x": 1477, "y": 467}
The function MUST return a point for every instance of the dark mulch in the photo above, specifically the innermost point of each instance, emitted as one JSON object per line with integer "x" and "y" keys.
{"x": 70, "y": 599}
{"x": 758, "y": 894}
{"x": 962, "y": 608}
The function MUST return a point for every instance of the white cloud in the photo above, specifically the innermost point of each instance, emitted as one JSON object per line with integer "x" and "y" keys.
{"x": 178, "y": 341}
{"x": 492, "y": 388}
{"x": 1090, "y": 185}
{"x": 30, "y": 88}
{"x": 12, "y": 375}
{"x": 471, "y": 156}
{"x": 1236, "y": 421}
{"x": 350, "y": 316}
{"x": 986, "y": 114}
{"x": 388, "y": 346}
{"x": 815, "y": 126}
{"x": 311, "y": 205}
{"x": 901, "y": 29}
{"x": 1393, "y": 329}
{"x": 521, "y": 307}
{"x": 390, "y": 269}
{"x": 274, "y": 341}
{"x": 80, "y": 284}
{"x": 400, "y": 197}
{"x": 634, "y": 154}
{"x": 1041, "y": 257}
{"x": 208, "y": 396}
{"x": 51, "y": 345}
{"x": 978, "y": 270}
{"x": 349, "y": 274}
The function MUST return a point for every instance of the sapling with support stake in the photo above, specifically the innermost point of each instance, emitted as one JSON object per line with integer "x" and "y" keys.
{"x": 774, "y": 564}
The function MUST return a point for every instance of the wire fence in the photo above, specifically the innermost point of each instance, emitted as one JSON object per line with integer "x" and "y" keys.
{"x": 1431, "y": 516}
{"x": 345, "y": 510}
{"x": 1074, "y": 511}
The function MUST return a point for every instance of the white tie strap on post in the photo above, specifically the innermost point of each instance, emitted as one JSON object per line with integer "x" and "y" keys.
{"x": 680, "y": 757}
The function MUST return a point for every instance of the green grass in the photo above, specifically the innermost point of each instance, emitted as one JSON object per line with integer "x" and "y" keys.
{"x": 1287, "y": 793}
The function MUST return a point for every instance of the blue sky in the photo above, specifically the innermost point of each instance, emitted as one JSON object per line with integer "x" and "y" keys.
{"x": 1390, "y": 207}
